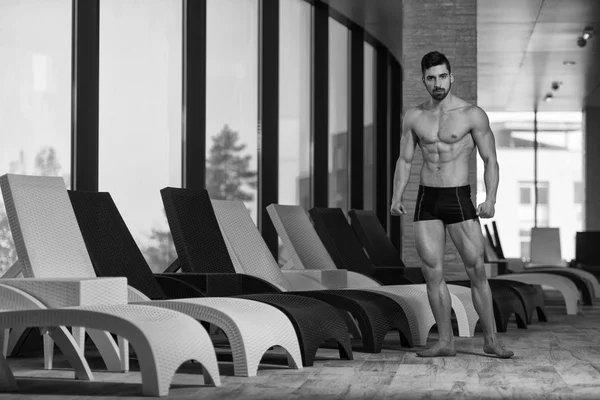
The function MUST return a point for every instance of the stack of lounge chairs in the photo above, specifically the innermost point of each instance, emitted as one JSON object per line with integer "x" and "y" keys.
{"x": 79, "y": 267}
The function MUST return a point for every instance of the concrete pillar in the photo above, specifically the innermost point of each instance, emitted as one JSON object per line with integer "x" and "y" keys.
{"x": 451, "y": 28}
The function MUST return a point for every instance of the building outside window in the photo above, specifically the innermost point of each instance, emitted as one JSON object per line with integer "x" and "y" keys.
{"x": 559, "y": 195}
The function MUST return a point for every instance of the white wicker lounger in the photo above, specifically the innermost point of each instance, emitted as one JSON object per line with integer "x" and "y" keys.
{"x": 245, "y": 323}
{"x": 564, "y": 285}
{"x": 589, "y": 278}
{"x": 306, "y": 250}
{"x": 163, "y": 339}
{"x": 248, "y": 250}
{"x": 50, "y": 244}
{"x": 517, "y": 266}
{"x": 545, "y": 257}
{"x": 546, "y": 252}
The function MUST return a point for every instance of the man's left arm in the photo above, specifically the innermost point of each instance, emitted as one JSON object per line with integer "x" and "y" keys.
{"x": 486, "y": 146}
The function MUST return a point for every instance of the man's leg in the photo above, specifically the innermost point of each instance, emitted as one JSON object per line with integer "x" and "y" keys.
{"x": 430, "y": 239}
{"x": 468, "y": 239}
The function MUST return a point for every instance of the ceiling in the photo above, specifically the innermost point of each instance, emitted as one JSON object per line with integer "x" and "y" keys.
{"x": 522, "y": 45}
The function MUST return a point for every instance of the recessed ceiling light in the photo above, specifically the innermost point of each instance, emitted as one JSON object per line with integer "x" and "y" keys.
{"x": 568, "y": 62}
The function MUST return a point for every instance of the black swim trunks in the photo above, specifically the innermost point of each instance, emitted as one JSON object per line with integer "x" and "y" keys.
{"x": 449, "y": 204}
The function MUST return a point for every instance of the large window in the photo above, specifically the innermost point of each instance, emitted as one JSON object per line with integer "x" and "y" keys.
{"x": 294, "y": 104}
{"x": 35, "y": 104}
{"x": 560, "y": 138}
{"x": 369, "y": 131}
{"x": 140, "y": 115}
{"x": 338, "y": 114}
{"x": 232, "y": 100}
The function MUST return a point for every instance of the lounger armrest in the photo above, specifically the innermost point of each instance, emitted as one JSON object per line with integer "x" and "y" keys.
{"x": 176, "y": 288}
{"x": 413, "y": 274}
{"x": 223, "y": 285}
{"x": 564, "y": 264}
{"x": 73, "y": 292}
{"x": 318, "y": 279}
{"x": 510, "y": 265}
{"x": 300, "y": 280}
{"x": 335, "y": 278}
{"x": 396, "y": 275}
{"x": 135, "y": 296}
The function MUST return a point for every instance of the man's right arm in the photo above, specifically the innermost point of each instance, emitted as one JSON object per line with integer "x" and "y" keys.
{"x": 408, "y": 142}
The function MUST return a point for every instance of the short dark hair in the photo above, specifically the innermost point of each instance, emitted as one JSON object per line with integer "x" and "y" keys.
{"x": 432, "y": 59}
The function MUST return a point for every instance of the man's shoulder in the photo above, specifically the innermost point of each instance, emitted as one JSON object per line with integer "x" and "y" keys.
{"x": 414, "y": 112}
{"x": 463, "y": 105}
{"x": 476, "y": 113}
{"x": 472, "y": 111}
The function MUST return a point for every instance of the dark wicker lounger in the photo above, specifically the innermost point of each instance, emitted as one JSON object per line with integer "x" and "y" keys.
{"x": 114, "y": 253}
{"x": 381, "y": 251}
{"x": 202, "y": 250}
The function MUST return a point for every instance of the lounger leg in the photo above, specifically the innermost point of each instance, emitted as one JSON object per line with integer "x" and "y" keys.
{"x": 16, "y": 335}
{"x": 7, "y": 379}
{"x": 48, "y": 350}
{"x": 108, "y": 349}
{"x": 79, "y": 336}
{"x": 521, "y": 322}
{"x": 4, "y": 337}
{"x": 124, "y": 353}
{"x": 541, "y": 315}
{"x": 156, "y": 379}
{"x": 353, "y": 328}
{"x": 345, "y": 350}
{"x": 293, "y": 362}
{"x": 72, "y": 352}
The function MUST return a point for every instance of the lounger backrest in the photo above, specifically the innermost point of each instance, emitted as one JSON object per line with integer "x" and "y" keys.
{"x": 545, "y": 246}
{"x": 112, "y": 249}
{"x": 374, "y": 238}
{"x": 299, "y": 237}
{"x": 497, "y": 242}
{"x": 246, "y": 242}
{"x": 44, "y": 228}
{"x": 198, "y": 240}
{"x": 489, "y": 251}
{"x": 340, "y": 240}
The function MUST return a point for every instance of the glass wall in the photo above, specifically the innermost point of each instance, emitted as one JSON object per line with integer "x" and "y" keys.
{"x": 338, "y": 114}
{"x": 232, "y": 100}
{"x": 35, "y": 105}
{"x": 140, "y": 91}
{"x": 294, "y": 103}
{"x": 559, "y": 177}
{"x": 369, "y": 124}
{"x": 140, "y": 116}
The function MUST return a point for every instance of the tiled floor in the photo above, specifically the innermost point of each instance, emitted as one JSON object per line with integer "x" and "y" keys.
{"x": 555, "y": 360}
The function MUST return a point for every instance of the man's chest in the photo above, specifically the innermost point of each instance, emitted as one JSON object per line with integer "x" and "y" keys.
{"x": 445, "y": 127}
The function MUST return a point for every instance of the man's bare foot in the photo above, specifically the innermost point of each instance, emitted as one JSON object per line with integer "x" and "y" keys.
{"x": 497, "y": 350}
{"x": 440, "y": 349}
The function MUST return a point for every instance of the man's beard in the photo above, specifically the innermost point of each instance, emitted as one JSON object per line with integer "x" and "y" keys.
{"x": 440, "y": 94}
